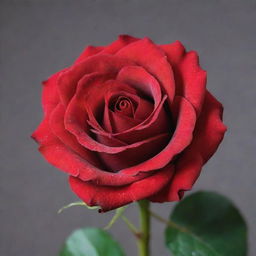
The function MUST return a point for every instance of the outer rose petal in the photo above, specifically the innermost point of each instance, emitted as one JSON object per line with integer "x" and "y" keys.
{"x": 122, "y": 41}
{"x": 64, "y": 158}
{"x": 57, "y": 154}
{"x": 174, "y": 51}
{"x": 101, "y": 63}
{"x": 43, "y": 133}
{"x": 108, "y": 197}
{"x": 50, "y": 100}
{"x": 209, "y": 132}
{"x": 189, "y": 77}
{"x": 89, "y": 51}
{"x": 50, "y": 97}
{"x": 57, "y": 126}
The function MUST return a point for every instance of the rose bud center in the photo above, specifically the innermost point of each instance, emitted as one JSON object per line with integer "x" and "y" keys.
{"x": 124, "y": 106}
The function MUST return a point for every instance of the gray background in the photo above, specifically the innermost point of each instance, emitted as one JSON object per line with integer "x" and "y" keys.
{"x": 39, "y": 38}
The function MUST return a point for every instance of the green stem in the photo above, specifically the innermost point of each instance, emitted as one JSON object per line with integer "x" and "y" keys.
{"x": 144, "y": 237}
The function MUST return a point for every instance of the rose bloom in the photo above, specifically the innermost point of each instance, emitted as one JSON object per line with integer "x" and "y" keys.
{"x": 129, "y": 121}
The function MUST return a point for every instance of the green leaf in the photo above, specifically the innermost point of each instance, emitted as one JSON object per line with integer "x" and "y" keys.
{"x": 79, "y": 203}
{"x": 91, "y": 242}
{"x": 206, "y": 224}
{"x": 119, "y": 212}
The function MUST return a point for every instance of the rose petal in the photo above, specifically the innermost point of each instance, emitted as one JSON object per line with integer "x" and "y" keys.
{"x": 90, "y": 50}
{"x": 122, "y": 41}
{"x": 190, "y": 78}
{"x": 209, "y": 132}
{"x": 155, "y": 62}
{"x": 140, "y": 79}
{"x": 134, "y": 156}
{"x": 100, "y": 63}
{"x": 50, "y": 97}
{"x": 108, "y": 197}
{"x": 181, "y": 138}
{"x": 120, "y": 122}
{"x": 159, "y": 124}
{"x": 57, "y": 126}
{"x": 174, "y": 51}
{"x": 43, "y": 132}
{"x": 57, "y": 154}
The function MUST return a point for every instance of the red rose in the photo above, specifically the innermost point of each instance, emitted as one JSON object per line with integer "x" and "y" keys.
{"x": 130, "y": 121}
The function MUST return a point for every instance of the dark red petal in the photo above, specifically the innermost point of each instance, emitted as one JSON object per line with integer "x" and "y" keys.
{"x": 144, "y": 109}
{"x": 50, "y": 100}
{"x": 43, "y": 132}
{"x": 154, "y": 61}
{"x": 122, "y": 41}
{"x": 114, "y": 90}
{"x": 134, "y": 156}
{"x": 57, "y": 153}
{"x": 174, "y": 51}
{"x": 50, "y": 97}
{"x": 106, "y": 119}
{"x": 209, "y": 133}
{"x": 120, "y": 122}
{"x": 140, "y": 79}
{"x": 57, "y": 127}
{"x": 101, "y": 63}
{"x": 89, "y": 51}
{"x": 160, "y": 123}
{"x": 190, "y": 78}
{"x": 108, "y": 197}
{"x": 180, "y": 140}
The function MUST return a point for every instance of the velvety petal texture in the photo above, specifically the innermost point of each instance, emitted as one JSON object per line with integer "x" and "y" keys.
{"x": 129, "y": 121}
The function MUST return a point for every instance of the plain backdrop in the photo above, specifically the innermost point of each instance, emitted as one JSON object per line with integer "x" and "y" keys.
{"x": 39, "y": 38}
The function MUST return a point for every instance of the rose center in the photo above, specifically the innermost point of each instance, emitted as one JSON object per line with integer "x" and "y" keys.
{"x": 124, "y": 105}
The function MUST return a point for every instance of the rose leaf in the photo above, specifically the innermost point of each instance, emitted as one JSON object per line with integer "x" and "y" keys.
{"x": 91, "y": 242}
{"x": 206, "y": 224}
